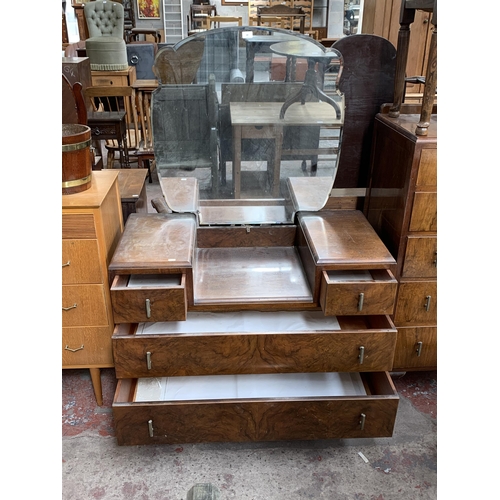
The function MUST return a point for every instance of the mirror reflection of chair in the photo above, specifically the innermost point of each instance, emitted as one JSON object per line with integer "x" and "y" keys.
{"x": 176, "y": 65}
{"x": 197, "y": 17}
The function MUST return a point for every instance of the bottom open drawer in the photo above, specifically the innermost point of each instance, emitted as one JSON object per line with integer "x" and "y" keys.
{"x": 264, "y": 407}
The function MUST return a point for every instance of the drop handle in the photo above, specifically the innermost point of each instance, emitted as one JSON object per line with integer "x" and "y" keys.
{"x": 67, "y": 264}
{"x": 69, "y": 308}
{"x": 362, "y": 421}
{"x": 148, "y": 308}
{"x": 150, "y": 428}
{"x": 361, "y": 355}
{"x": 68, "y": 348}
{"x": 419, "y": 348}
{"x": 361, "y": 299}
{"x": 427, "y": 304}
{"x": 148, "y": 360}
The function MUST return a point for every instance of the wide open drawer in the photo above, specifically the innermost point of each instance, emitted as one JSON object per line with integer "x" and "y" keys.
{"x": 229, "y": 408}
{"x": 254, "y": 342}
{"x": 358, "y": 292}
{"x": 149, "y": 297}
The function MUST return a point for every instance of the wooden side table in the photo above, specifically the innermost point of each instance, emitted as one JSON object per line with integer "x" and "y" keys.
{"x": 132, "y": 185}
{"x": 110, "y": 125}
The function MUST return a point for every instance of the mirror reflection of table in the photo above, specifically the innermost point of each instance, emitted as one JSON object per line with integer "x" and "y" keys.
{"x": 312, "y": 84}
{"x": 261, "y": 120}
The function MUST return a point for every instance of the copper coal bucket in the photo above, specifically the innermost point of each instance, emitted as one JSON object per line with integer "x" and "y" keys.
{"x": 76, "y": 158}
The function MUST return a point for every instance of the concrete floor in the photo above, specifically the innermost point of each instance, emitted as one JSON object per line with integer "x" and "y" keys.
{"x": 95, "y": 467}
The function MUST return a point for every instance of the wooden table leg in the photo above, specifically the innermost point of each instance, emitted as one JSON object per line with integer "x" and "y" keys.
{"x": 95, "y": 375}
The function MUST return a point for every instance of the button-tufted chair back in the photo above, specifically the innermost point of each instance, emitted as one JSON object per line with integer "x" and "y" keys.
{"x": 104, "y": 18}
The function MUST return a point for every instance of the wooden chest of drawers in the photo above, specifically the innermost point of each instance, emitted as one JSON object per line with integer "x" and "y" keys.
{"x": 218, "y": 342}
{"x": 91, "y": 227}
{"x": 401, "y": 205}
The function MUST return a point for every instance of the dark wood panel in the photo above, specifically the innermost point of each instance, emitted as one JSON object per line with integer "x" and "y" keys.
{"x": 214, "y": 237}
{"x": 407, "y": 348}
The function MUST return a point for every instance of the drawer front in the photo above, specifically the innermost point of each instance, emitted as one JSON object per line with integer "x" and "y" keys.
{"x": 78, "y": 226}
{"x": 256, "y": 420}
{"x": 420, "y": 257}
{"x": 225, "y": 354}
{"x": 416, "y": 304}
{"x": 424, "y": 212}
{"x": 80, "y": 262}
{"x": 148, "y": 303}
{"x": 427, "y": 169}
{"x": 84, "y": 305}
{"x": 109, "y": 80}
{"x": 86, "y": 346}
{"x": 416, "y": 348}
{"x": 339, "y": 297}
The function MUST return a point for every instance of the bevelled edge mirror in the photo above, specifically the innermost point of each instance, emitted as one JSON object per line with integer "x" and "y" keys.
{"x": 247, "y": 125}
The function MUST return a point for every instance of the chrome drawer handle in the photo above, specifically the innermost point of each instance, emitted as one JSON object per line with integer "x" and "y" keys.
{"x": 70, "y": 307}
{"x": 427, "y": 304}
{"x": 361, "y": 355}
{"x": 419, "y": 348}
{"x": 67, "y": 263}
{"x": 362, "y": 421}
{"x": 361, "y": 299}
{"x": 150, "y": 428}
{"x": 67, "y": 348}
{"x": 148, "y": 308}
{"x": 148, "y": 360}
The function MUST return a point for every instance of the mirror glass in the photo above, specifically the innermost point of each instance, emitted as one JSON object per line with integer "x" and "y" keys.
{"x": 247, "y": 124}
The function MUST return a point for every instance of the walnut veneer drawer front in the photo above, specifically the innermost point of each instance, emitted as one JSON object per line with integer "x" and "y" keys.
{"x": 424, "y": 212}
{"x": 366, "y": 407}
{"x": 138, "y": 298}
{"x": 416, "y": 303}
{"x": 358, "y": 292}
{"x": 248, "y": 342}
{"x": 80, "y": 262}
{"x": 416, "y": 348}
{"x": 86, "y": 346}
{"x": 427, "y": 170}
{"x": 84, "y": 305}
{"x": 420, "y": 257}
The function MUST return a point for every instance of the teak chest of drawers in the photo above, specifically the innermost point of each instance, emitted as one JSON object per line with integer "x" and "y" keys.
{"x": 401, "y": 205}
{"x": 91, "y": 227}
{"x": 252, "y": 333}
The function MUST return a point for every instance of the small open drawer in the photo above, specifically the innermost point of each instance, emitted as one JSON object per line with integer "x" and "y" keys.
{"x": 247, "y": 342}
{"x": 149, "y": 297}
{"x": 358, "y": 292}
{"x": 254, "y": 408}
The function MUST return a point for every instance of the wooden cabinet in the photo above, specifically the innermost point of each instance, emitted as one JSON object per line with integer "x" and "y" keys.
{"x": 121, "y": 78}
{"x": 91, "y": 227}
{"x": 226, "y": 335}
{"x": 401, "y": 206}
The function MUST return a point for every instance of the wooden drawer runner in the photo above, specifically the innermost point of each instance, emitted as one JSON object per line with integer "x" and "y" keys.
{"x": 86, "y": 346}
{"x": 222, "y": 343}
{"x": 416, "y": 348}
{"x": 358, "y": 292}
{"x": 80, "y": 262}
{"x": 84, "y": 305}
{"x": 369, "y": 414}
{"x": 420, "y": 257}
{"x": 138, "y": 298}
{"x": 416, "y": 304}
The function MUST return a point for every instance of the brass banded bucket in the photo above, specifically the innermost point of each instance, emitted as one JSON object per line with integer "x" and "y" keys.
{"x": 76, "y": 158}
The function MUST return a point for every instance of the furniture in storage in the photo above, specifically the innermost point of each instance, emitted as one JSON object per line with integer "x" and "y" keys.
{"x": 252, "y": 312}
{"x": 120, "y": 78}
{"x": 91, "y": 227}
{"x": 132, "y": 184}
{"x": 401, "y": 205}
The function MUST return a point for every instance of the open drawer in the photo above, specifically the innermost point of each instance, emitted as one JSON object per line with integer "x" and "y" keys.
{"x": 248, "y": 342}
{"x": 254, "y": 408}
{"x": 358, "y": 292}
{"x": 149, "y": 297}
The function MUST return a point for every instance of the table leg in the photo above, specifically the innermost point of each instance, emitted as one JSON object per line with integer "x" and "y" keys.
{"x": 237, "y": 161}
{"x": 95, "y": 375}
